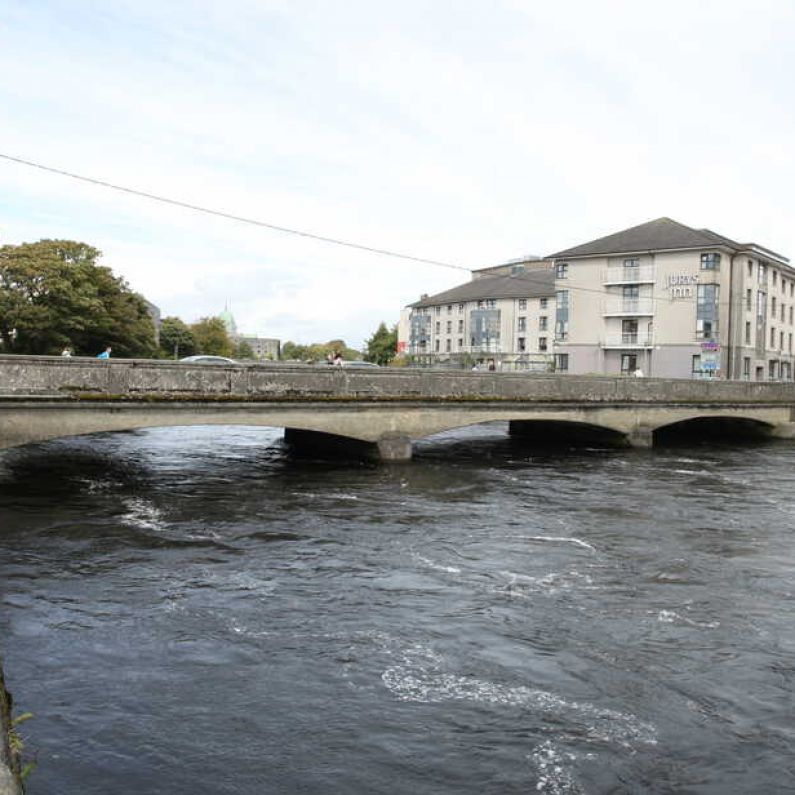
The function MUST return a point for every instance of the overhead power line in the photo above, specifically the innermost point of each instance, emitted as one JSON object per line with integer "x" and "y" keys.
{"x": 231, "y": 216}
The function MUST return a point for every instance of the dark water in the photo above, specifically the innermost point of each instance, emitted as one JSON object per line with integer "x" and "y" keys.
{"x": 193, "y": 611}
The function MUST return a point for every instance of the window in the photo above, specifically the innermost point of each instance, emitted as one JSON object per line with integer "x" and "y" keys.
{"x": 491, "y": 303}
{"x": 460, "y": 308}
{"x": 695, "y": 367}
{"x": 542, "y": 343}
{"x": 542, "y": 323}
{"x": 750, "y": 268}
{"x": 629, "y": 363}
{"x": 629, "y": 331}
{"x": 775, "y": 277}
{"x": 438, "y": 310}
{"x": 542, "y": 303}
{"x": 449, "y": 309}
{"x": 781, "y": 340}
{"x": 773, "y": 307}
{"x": 561, "y": 270}
{"x": 631, "y": 263}
{"x": 521, "y": 324}
{"x": 561, "y": 362}
{"x": 749, "y": 303}
{"x": 562, "y": 315}
{"x": 710, "y": 262}
{"x": 461, "y": 326}
{"x": 436, "y": 346}
{"x": 481, "y": 303}
{"x": 747, "y": 332}
{"x": 449, "y": 326}
{"x": 447, "y": 345}
{"x": 522, "y": 303}
{"x": 707, "y": 311}
{"x": 790, "y": 315}
{"x": 772, "y": 338}
{"x": 772, "y": 369}
{"x": 438, "y": 327}
{"x": 782, "y": 313}
{"x": 761, "y": 273}
{"x": 520, "y": 344}
{"x": 460, "y": 343}
{"x": 630, "y": 292}
{"x": 746, "y": 368}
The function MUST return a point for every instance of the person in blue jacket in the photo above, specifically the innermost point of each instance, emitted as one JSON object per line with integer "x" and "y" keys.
{"x": 105, "y": 354}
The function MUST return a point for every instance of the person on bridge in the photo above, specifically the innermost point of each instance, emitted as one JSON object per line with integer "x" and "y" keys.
{"x": 67, "y": 351}
{"x": 105, "y": 354}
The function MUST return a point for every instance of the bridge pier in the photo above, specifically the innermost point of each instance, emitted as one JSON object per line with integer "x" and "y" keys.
{"x": 390, "y": 447}
{"x": 641, "y": 437}
{"x": 394, "y": 447}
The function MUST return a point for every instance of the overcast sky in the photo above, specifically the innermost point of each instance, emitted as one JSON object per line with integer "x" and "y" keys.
{"x": 468, "y": 132}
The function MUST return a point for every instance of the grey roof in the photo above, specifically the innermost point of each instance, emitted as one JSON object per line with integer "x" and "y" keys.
{"x": 662, "y": 234}
{"x": 530, "y": 284}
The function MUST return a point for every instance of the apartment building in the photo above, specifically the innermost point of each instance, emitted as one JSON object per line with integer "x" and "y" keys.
{"x": 662, "y": 299}
{"x": 677, "y": 302}
{"x": 505, "y": 315}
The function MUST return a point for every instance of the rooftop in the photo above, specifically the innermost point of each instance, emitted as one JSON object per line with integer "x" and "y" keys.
{"x": 530, "y": 284}
{"x": 662, "y": 234}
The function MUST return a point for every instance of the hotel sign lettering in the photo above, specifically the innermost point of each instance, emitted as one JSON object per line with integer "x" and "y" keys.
{"x": 681, "y": 285}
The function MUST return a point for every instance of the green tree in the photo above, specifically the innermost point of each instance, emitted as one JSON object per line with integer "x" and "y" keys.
{"x": 243, "y": 350}
{"x": 291, "y": 351}
{"x": 382, "y": 346}
{"x": 212, "y": 337}
{"x": 53, "y": 294}
{"x": 176, "y": 338}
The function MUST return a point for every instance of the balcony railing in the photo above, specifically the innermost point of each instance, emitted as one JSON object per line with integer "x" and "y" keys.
{"x": 629, "y": 340}
{"x": 621, "y": 275}
{"x": 628, "y": 306}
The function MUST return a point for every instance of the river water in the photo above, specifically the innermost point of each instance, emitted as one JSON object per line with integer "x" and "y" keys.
{"x": 194, "y": 610}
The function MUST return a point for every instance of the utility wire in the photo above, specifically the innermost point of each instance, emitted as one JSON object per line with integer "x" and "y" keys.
{"x": 530, "y": 277}
{"x": 231, "y": 216}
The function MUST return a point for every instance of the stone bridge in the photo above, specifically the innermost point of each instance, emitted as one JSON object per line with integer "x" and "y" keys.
{"x": 383, "y": 410}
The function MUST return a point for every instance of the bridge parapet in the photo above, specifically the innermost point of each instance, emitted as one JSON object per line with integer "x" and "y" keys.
{"x": 135, "y": 379}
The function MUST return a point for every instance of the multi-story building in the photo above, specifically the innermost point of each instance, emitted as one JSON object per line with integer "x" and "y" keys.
{"x": 263, "y": 348}
{"x": 677, "y": 302}
{"x": 661, "y": 299}
{"x": 505, "y": 315}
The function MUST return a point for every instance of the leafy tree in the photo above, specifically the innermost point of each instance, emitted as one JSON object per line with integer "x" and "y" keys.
{"x": 243, "y": 350}
{"x": 176, "y": 338}
{"x": 212, "y": 337}
{"x": 53, "y": 294}
{"x": 290, "y": 351}
{"x": 382, "y": 346}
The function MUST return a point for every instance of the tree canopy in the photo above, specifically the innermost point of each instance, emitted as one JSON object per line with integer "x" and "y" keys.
{"x": 212, "y": 337}
{"x": 176, "y": 338}
{"x": 318, "y": 351}
{"x": 382, "y": 346}
{"x": 53, "y": 295}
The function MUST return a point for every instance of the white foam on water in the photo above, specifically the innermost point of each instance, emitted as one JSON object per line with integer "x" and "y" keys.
{"x": 562, "y": 540}
{"x": 672, "y": 617}
{"x": 143, "y": 514}
{"x": 553, "y": 776}
{"x": 418, "y": 676}
{"x": 437, "y": 566}
{"x": 689, "y": 471}
{"x": 523, "y": 585}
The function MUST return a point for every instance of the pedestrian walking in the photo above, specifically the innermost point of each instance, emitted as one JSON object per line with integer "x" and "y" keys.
{"x": 105, "y": 354}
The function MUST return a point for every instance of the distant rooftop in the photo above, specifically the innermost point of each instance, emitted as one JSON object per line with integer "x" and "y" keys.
{"x": 662, "y": 234}
{"x": 530, "y": 284}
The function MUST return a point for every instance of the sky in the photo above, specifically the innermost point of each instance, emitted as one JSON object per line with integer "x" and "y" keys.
{"x": 465, "y": 132}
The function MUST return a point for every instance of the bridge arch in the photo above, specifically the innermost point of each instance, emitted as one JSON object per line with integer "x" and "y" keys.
{"x": 713, "y": 428}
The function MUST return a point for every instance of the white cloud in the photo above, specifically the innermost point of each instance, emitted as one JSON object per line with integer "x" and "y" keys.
{"x": 463, "y": 132}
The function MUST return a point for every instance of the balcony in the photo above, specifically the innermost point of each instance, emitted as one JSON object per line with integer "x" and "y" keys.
{"x": 629, "y": 341}
{"x": 643, "y": 274}
{"x": 628, "y": 306}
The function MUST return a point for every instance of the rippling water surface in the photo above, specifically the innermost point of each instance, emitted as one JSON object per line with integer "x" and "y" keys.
{"x": 194, "y": 611}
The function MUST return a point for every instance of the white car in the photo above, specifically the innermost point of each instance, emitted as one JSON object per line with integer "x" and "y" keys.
{"x": 203, "y": 359}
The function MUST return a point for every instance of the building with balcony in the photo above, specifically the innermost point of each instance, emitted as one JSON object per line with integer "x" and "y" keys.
{"x": 504, "y": 315}
{"x": 673, "y": 301}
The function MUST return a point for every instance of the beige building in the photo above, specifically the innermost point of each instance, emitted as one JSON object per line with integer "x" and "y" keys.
{"x": 671, "y": 301}
{"x": 660, "y": 299}
{"x": 505, "y": 314}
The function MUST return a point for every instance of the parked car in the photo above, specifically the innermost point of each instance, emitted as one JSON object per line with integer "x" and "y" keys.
{"x": 202, "y": 359}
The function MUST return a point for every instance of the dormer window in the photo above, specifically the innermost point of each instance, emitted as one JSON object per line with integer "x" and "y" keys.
{"x": 561, "y": 270}
{"x": 710, "y": 262}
